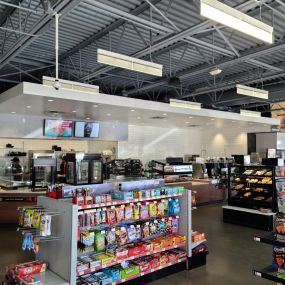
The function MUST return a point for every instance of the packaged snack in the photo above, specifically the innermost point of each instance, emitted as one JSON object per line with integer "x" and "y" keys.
{"x": 103, "y": 216}
{"x": 173, "y": 207}
{"x": 165, "y": 203}
{"x": 155, "y": 261}
{"x": 103, "y": 258}
{"x": 130, "y": 271}
{"x": 153, "y": 229}
{"x": 98, "y": 219}
{"x": 103, "y": 278}
{"x": 144, "y": 212}
{"x": 92, "y": 220}
{"x": 111, "y": 216}
{"x": 36, "y": 220}
{"x": 168, "y": 225}
{"x": 121, "y": 236}
{"x": 120, "y": 213}
{"x": 30, "y": 268}
{"x": 111, "y": 236}
{"x": 280, "y": 224}
{"x": 138, "y": 232}
{"x": 131, "y": 233}
{"x": 161, "y": 226}
{"x": 45, "y": 226}
{"x": 134, "y": 249}
{"x": 160, "y": 209}
{"x": 100, "y": 240}
{"x": 121, "y": 253}
{"x": 28, "y": 218}
{"x": 164, "y": 259}
{"x": 143, "y": 264}
{"x": 136, "y": 211}
{"x": 174, "y": 225}
{"x": 129, "y": 212}
{"x": 145, "y": 230}
{"x": 153, "y": 209}
{"x": 114, "y": 272}
{"x": 278, "y": 257}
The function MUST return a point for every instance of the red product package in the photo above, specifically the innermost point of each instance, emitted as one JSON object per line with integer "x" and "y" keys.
{"x": 29, "y": 268}
{"x": 155, "y": 261}
{"x": 143, "y": 263}
{"x": 134, "y": 249}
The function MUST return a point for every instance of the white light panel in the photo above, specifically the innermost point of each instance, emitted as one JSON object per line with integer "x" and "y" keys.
{"x": 252, "y": 92}
{"x": 248, "y": 113}
{"x": 185, "y": 104}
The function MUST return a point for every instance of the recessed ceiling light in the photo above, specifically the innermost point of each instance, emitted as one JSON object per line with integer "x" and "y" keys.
{"x": 132, "y": 110}
{"x": 187, "y": 122}
{"x": 138, "y": 118}
{"x": 164, "y": 114}
{"x": 29, "y": 106}
{"x": 13, "y": 112}
{"x": 190, "y": 117}
{"x": 87, "y": 118}
{"x": 109, "y": 114}
{"x": 95, "y": 106}
{"x": 50, "y": 100}
{"x": 212, "y": 119}
{"x": 215, "y": 71}
{"x": 74, "y": 111}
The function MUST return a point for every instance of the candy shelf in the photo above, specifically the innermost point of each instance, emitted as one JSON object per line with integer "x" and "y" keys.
{"x": 269, "y": 274}
{"x": 149, "y": 271}
{"x": 195, "y": 244}
{"x": 90, "y": 270}
{"x": 123, "y": 202}
{"x": 62, "y": 255}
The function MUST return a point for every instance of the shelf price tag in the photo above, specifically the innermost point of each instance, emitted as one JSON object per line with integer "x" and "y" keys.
{"x": 256, "y": 239}
{"x": 257, "y": 274}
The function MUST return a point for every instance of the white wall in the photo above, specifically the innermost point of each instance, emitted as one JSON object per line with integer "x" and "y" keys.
{"x": 149, "y": 143}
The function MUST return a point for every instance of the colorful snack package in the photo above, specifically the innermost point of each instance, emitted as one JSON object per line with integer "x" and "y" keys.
{"x": 153, "y": 228}
{"x": 168, "y": 225}
{"x": 165, "y": 203}
{"x": 120, "y": 213}
{"x": 138, "y": 232}
{"x": 36, "y": 220}
{"x": 153, "y": 209}
{"x": 111, "y": 236}
{"x": 121, "y": 236}
{"x": 45, "y": 226}
{"x": 92, "y": 220}
{"x": 145, "y": 230}
{"x": 98, "y": 219}
{"x": 174, "y": 225}
{"x": 129, "y": 212}
{"x": 160, "y": 209}
{"x": 103, "y": 216}
{"x": 100, "y": 241}
{"x": 161, "y": 226}
{"x": 131, "y": 233}
{"x": 136, "y": 211}
{"x": 28, "y": 218}
{"x": 144, "y": 215}
{"x": 111, "y": 216}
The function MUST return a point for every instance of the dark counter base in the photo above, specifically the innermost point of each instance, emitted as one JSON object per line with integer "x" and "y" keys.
{"x": 252, "y": 220}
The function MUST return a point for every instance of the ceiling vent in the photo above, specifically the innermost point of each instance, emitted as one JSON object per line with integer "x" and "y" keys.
{"x": 71, "y": 85}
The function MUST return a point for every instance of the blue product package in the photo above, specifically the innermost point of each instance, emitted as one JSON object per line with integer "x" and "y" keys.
{"x": 104, "y": 278}
{"x": 114, "y": 273}
{"x": 157, "y": 192}
{"x": 120, "y": 195}
{"x": 173, "y": 207}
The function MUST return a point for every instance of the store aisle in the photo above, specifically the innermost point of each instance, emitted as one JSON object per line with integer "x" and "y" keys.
{"x": 232, "y": 253}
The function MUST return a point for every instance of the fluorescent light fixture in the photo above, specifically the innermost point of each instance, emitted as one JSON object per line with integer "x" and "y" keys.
{"x": 250, "y": 113}
{"x": 253, "y": 92}
{"x": 128, "y": 62}
{"x": 185, "y": 104}
{"x": 215, "y": 71}
{"x": 228, "y": 16}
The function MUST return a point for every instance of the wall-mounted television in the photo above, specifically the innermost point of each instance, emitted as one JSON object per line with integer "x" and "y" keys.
{"x": 58, "y": 128}
{"x": 86, "y": 130}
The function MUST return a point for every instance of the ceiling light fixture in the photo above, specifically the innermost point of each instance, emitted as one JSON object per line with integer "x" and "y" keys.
{"x": 87, "y": 118}
{"x": 248, "y": 113}
{"x": 190, "y": 117}
{"x": 164, "y": 114}
{"x": 139, "y": 118}
{"x": 128, "y": 62}
{"x": 95, "y": 106}
{"x": 253, "y": 92}
{"x": 215, "y": 71}
{"x": 29, "y": 107}
{"x": 108, "y": 114}
{"x": 132, "y": 110}
{"x": 212, "y": 119}
{"x": 228, "y": 16}
{"x": 185, "y": 104}
{"x": 50, "y": 100}
{"x": 74, "y": 111}
{"x": 13, "y": 112}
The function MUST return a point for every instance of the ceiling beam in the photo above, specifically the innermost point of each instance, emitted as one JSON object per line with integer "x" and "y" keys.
{"x": 42, "y": 26}
{"x": 116, "y": 24}
{"x": 8, "y": 11}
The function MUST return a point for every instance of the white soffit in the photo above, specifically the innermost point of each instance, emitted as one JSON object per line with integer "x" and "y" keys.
{"x": 38, "y": 96}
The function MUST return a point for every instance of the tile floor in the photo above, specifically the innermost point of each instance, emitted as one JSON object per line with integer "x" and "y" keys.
{"x": 232, "y": 256}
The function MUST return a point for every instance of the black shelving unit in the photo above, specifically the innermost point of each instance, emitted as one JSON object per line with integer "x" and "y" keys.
{"x": 269, "y": 239}
{"x": 250, "y": 188}
{"x": 270, "y": 274}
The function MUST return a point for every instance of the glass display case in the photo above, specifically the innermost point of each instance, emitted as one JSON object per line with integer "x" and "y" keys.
{"x": 253, "y": 187}
{"x": 14, "y": 172}
{"x": 82, "y": 169}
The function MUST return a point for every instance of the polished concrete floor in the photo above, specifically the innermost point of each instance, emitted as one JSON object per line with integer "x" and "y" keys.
{"x": 232, "y": 256}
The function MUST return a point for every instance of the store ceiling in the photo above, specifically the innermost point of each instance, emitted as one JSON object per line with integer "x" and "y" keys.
{"x": 31, "y": 99}
{"x": 133, "y": 28}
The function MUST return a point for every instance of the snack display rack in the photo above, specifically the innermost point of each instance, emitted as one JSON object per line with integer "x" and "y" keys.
{"x": 251, "y": 196}
{"x": 62, "y": 255}
{"x": 172, "y": 173}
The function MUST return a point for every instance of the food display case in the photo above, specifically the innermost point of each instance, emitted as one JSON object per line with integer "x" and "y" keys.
{"x": 172, "y": 173}
{"x": 83, "y": 169}
{"x": 252, "y": 187}
{"x": 10, "y": 181}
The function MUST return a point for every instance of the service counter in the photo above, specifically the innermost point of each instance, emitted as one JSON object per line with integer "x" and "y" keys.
{"x": 207, "y": 190}
{"x": 10, "y": 200}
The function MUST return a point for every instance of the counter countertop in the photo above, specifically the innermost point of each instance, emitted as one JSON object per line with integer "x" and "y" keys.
{"x": 27, "y": 192}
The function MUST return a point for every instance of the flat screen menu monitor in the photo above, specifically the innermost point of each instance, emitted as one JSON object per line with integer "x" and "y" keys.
{"x": 58, "y": 128}
{"x": 86, "y": 130}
